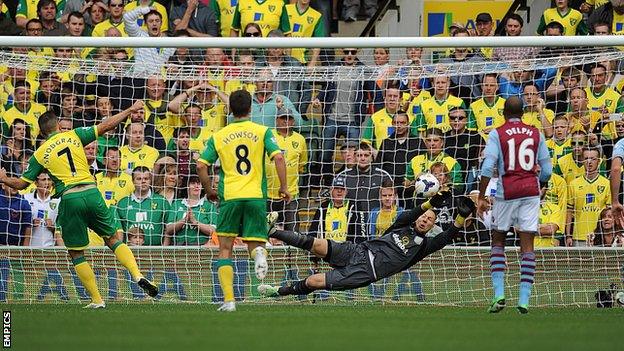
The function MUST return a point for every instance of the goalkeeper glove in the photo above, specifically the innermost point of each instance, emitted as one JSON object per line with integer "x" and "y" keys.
{"x": 437, "y": 200}
{"x": 465, "y": 207}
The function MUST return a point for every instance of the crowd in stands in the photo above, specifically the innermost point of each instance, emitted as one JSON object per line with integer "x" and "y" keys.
{"x": 358, "y": 145}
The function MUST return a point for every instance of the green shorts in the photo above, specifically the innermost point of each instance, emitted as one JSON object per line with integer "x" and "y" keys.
{"x": 243, "y": 218}
{"x": 81, "y": 210}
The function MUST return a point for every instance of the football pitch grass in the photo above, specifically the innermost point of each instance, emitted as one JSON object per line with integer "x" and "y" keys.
{"x": 311, "y": 327}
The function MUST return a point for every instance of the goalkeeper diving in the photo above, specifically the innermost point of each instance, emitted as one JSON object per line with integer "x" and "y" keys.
{"x": 357, "y": 265}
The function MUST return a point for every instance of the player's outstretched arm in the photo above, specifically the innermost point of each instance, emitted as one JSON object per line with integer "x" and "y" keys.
{"x": 465, "y": 208}
{"x": 13, "y": 182}
{"x": 112, "y": 122}
{"x": 408, "y": 217}
{"x": 280, "y": 166}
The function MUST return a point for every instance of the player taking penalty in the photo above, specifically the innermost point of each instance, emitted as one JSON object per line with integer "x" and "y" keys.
{"x": 81, "y": 205}
{"x": 357, "y": 265}
{"x": 515, "y": 149}
{"x": 242, "y": 191}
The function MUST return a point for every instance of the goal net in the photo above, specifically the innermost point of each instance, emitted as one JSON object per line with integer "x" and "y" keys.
{"x": 356, "y": 131}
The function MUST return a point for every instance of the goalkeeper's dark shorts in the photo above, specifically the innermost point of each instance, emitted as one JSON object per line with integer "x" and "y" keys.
{"x": 352, "y": 267}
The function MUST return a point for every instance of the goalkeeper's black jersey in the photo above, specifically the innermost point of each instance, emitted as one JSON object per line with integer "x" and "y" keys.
{"x": 401, "y": 246}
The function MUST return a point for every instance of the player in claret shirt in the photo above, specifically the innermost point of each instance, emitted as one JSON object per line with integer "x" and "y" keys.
{"x": 515, "y": 149}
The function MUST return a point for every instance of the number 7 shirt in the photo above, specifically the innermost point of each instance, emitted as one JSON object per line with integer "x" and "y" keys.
{"x": 62, "y": 154}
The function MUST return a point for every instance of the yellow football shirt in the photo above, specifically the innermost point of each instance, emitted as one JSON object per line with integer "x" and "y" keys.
{"x": 144, "y": 156}
{"x": 268, "y": 14}
{"x": 235, "y": 85}
{"x": 114, "y": 188}
{"x": 164, "y": 121}
{"x": 378, "y": 128}
{"x": 609, "y": 99}
{"x": 62, "y": 154}
{"x": 100, "y": 29}
{"x": 422, "y": 163}
{"x": 304, "y": 25}
{"x": 296, "y": 154}
{"x": 557, "y": 194}
{"x": 413, "y": 108}
{"x": 549, "y": 213}
{"x": 568, "y": 168}
{"x": 572, "y": 21}
{"x": 214, "y": 118}
{"x": 198, "y": 143}
{"x": 534, "y": 119}
{"x": 337, "y": 222}
{"x": 241, "y": 146}
{"x": 224, "y": 10}
{"x": 558, "y": 149}
{"x": 31, "y": 117}
{"x": 435, "y": 114}
{"x": 586, "y": 199}
{"x": 482, "y": 115}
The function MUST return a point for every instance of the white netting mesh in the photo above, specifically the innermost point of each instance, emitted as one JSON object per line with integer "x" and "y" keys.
{"x": 330, "y": 131}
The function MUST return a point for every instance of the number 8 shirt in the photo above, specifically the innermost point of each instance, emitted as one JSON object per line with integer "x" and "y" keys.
{"x": 241, "y": 146}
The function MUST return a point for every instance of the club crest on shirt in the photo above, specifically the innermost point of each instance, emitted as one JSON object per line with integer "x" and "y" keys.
{"x": 601, "y": 189}
{"x": 154, "y": 206}
{"x": 573, "y": 21}
{"x": 122, "y": 183}
{"x": 271, "y": 8}
{"x": 142, "y": 157}
{"x": 608, "y": 103}
{"x": 53, "y": 205}
{"x": 295, "y": 144}
{"x": 310, "y": 19}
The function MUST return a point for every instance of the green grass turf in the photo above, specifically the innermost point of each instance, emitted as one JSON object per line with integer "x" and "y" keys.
{"x": 308, "y": 327}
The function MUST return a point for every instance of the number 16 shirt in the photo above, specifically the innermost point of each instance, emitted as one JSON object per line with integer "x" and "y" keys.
{"x": 241, "y": 146}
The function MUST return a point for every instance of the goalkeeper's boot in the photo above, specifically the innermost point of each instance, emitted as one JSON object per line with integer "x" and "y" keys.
{"x": 523, "y": 309}
{"x": 267, "y": 290}
{"x": 497, "y": 305}
{"x": 261, "y": 264}
{"x": 271, "y": 219}
{"x": 229, "y": 306}
{"x": 149, "y": 287}
{"x": 95, "y": 305}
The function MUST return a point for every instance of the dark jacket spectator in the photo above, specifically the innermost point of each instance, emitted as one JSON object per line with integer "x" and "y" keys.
{"x": 201, "y": 20}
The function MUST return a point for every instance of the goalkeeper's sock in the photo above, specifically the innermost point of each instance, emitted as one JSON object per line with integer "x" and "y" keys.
{"x": 126, "y": 258}
{"x": 497, "y": 269}
{"x": 298, "y": 288}
{"x": 294, "y": 239}
{"x": 87, "y": 277}
{"x": 527, "y": 275}
{"x": 226, "y": 278}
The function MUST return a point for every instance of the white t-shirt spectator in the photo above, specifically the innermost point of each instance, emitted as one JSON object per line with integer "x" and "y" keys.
{"x": 42, "y": 209}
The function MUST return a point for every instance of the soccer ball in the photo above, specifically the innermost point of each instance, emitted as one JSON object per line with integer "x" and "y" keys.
{"x": 426, "y": 185}
{"x": 619, "y": 298}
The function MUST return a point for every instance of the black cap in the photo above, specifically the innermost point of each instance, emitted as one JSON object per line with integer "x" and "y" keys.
{"x": 483, "y": 17}
{"x": 284, "y": 112}
{"x": 339, "y": 182}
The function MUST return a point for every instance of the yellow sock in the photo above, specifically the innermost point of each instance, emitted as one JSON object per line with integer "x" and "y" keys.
{"x": 126, "y": 258}
{"x": 226, "y": 278}
{"x": 87, "y": 277}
